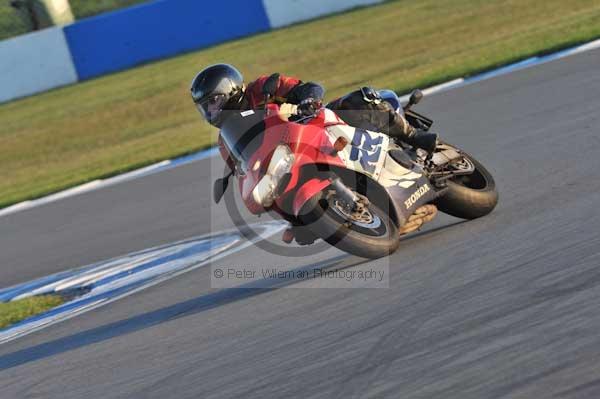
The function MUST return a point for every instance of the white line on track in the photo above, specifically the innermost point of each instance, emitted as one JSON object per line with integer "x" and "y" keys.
{"x": 107, "y": 281}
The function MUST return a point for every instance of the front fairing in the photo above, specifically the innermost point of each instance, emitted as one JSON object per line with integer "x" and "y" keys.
{"x": 309, "y": 143}
{"x": 256, "y": 164}
{"x": 242, "y": 134}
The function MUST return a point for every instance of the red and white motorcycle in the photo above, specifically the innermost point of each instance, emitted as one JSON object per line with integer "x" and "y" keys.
{"x": 354, "y": 188}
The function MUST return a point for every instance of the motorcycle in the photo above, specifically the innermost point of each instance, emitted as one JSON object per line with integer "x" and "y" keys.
{"x": 354, "y": 188}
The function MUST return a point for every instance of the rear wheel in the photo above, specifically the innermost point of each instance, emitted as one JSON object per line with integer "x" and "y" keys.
{"x": 365, "y": 231}
{"x": 469, "y": 196}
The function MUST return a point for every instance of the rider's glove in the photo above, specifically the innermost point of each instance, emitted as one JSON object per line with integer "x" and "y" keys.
{"x": 309, "y": 106}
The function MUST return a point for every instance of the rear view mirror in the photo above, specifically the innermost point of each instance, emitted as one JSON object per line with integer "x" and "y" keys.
{"x": 415, "y": 97}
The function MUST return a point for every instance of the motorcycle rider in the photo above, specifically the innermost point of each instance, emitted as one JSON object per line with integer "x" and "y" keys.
{"x": 221, "y": 87}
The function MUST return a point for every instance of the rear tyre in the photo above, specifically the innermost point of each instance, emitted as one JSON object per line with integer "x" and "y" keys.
{"x": 374, "y": 235}
{"x": 471, "y": 196}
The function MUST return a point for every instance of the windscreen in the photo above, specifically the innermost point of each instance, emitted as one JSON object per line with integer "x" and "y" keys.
{"x": 243, "y": 133}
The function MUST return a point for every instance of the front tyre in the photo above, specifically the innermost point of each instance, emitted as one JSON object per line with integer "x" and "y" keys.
{"x": 367, "y": 232}
{"x": 470, "y": 196}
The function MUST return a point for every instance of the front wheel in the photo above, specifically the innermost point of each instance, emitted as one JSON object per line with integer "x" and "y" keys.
{"x": 365, "y": 231}
{"x": 470, "y": 196}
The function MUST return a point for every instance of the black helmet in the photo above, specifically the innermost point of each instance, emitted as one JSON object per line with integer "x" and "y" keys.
{"x": 217, "y": 87}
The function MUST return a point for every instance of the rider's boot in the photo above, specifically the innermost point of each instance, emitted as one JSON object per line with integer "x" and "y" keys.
{"x": 424, "y": 140}
{"x": 400, "y": 129}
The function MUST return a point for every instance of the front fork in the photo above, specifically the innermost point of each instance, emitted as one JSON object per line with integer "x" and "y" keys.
{"x": 348, "y": 197}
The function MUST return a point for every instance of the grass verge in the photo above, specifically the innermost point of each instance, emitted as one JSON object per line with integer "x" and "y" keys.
{"x": 87, "y": 8}
{"x": 13, "y": 312}
{"x": 126, "y": 120}
{"x": 12, "y": 25}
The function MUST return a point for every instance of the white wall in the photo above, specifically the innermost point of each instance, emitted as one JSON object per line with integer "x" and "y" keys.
{"x": 285, "y": 12}
{"x": 34, "y": 62}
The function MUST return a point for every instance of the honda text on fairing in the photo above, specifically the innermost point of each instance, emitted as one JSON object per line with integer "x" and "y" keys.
{"x": 354, "y": 188}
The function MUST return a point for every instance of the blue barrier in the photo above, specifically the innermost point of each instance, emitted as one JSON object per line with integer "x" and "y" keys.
{"x": 122, "y": 39}
{"x": 158, "y": 29}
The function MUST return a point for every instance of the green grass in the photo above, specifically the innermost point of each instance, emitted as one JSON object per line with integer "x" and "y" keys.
{"x": 13, "y": 312}
{"x": 126, "y": 120}
{"x": 12, "y": 25}
{"x": 86, "y": 8}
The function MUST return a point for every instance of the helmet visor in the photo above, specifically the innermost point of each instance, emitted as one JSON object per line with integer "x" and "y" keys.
{"x": 212, "y": 107}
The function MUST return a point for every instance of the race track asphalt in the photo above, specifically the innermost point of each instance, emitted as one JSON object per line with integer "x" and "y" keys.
{"x": 507, "y": 306}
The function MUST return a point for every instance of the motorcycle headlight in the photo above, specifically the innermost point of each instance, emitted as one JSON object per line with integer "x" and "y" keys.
{"x": 268, "y": 188}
